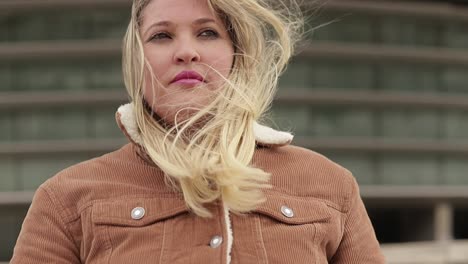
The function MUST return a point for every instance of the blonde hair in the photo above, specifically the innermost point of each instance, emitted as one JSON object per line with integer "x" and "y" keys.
{"x": 215, "y": 162}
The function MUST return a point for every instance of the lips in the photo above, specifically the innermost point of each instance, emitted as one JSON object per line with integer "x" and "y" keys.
{"x": 188, "y": 77}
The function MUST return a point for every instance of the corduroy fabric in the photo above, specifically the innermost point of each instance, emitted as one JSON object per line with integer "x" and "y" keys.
{"x": 83, "y": 215}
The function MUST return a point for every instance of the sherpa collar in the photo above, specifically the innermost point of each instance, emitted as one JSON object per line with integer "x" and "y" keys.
{"x": 265, "y": 136}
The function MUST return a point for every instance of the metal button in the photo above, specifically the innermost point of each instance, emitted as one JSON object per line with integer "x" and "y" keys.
{"x": 138, "y": 213}
{"x": 216, "y": 241}
{"x": 288, "y": 212}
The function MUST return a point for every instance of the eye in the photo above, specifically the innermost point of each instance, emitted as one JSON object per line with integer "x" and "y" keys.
{"x": 160, "y": 36}
{"x": 209, "y": 33}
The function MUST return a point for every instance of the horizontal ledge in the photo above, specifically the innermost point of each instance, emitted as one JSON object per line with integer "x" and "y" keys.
{"x": 439, "y": 11}
{"x": 414, "y": 192}
{"x": 59, "y": 50}
{"x": 368, "y": 192}
{"x": 379, "y": 53}
{"x": 378, "y": 145}
{"x": 449, "y": 251}
{"x": 44, "y": 147}
{"x": 85, "y": 49}
{"x": 372, "y": 99}
{"x": 15, "y": 6}
{"x": 47, "y": 99}
{"x": 16, "y": 198}
{"x": 422, "y": 9}
{"x": 355, "y": 98}
{"x": 58, "y": 147}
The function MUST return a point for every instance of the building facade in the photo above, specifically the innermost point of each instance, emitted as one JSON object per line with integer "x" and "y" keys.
{"x": 378, "y": 86}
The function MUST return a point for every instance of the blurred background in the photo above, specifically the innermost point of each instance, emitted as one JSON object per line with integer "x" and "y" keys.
{"x": 380, "y": 87}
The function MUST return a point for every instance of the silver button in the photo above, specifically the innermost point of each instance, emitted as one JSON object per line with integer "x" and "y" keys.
{"x": 138, "y": 213}
{"x": 216, "y": 241}
{"x": 288, "y": 212}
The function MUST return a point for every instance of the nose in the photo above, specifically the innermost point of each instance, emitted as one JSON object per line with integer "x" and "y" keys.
{"x": 186, "y": 53}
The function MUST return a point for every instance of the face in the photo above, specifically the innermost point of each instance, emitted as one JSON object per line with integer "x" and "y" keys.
{"x": 190, "y": 53}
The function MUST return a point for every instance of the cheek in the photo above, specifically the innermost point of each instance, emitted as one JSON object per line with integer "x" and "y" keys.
{"x": 158, "y": 71}
{"x": 151, "y": 87}
{"x": 154, "y": 76}
{"x": 159, "y": 59}
{"x": 152, "y": 90}
{"x": 222, "y": 60}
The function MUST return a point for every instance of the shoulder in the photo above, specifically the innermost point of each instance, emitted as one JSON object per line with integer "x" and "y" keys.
{"x": 302, "y": 172}
{"x": 91, "y": 170}
{"x": 77, "y": 187}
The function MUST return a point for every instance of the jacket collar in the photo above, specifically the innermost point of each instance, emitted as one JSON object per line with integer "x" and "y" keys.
{"x": 265, "y": 136}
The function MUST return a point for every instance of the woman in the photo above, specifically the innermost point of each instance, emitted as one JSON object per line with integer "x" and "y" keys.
{"x": 201, "y": 181}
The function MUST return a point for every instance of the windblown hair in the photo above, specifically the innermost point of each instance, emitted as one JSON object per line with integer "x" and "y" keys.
{"x": 214, "y": 162}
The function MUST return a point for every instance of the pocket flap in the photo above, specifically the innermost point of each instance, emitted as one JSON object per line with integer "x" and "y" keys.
{"x": 304, "y": 209}
{"x": 119, "y": 211}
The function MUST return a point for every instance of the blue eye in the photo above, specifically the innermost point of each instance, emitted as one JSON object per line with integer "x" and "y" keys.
{"x": 209, "y": 34}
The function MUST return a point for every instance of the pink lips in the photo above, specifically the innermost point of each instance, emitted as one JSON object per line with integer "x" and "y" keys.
{"x": 188, "y": 78}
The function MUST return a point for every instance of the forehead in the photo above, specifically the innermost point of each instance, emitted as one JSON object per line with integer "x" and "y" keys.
{"x": 178, "y": 11}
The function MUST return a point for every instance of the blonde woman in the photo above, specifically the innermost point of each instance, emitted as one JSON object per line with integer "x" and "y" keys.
{"x": 201, "y": 181}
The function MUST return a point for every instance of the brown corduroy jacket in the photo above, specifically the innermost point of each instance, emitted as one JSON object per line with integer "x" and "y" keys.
{"x": 117, "y": 209}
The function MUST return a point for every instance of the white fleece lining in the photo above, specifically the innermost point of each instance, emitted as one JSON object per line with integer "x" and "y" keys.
{"x": 127, "y": 118}
{"x": 230, "y": 238}
{"x": 263, "y": 135}
{"x": 268, "y": 136}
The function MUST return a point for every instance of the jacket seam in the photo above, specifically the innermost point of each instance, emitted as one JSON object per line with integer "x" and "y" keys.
{"x": 167, "y": 214}
{"x": 65, "y": 215}
{"x": 64, "y": 223}
{"x": 353, "y": 188}
{"x": 258, "y": 228}
{"x": 350, "y": 204}
{"x": 315, "y": 243}
{"x": 111, "y": 246}
{"x": 349, "y": 198}
{"x": 296, "y": 197}
{"x": 83, "y": 207}
{"x": 161, "y": 253}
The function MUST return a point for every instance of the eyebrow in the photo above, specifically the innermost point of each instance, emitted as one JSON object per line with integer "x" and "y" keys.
{"x": 165, "y": 23}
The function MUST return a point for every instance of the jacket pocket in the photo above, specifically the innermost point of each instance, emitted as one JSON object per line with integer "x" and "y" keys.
{"x": 290, "y": 228}
{"x": 294, "y": 210}
{"x": 119, "y": 212}
{"x": 135, "y": 228}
